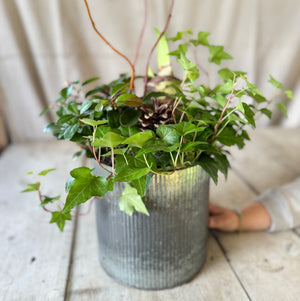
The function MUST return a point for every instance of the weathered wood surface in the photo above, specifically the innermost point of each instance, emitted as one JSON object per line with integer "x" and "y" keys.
{"x": 36, "y": 257}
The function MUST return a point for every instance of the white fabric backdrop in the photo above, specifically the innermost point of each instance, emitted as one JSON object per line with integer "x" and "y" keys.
{"x": 45, "y": 42}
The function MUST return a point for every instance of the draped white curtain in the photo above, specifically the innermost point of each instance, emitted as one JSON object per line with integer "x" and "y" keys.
{"x": 45, "y": 42}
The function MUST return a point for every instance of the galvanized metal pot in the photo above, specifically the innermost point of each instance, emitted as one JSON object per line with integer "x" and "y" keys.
{"x": 164, "y": 249}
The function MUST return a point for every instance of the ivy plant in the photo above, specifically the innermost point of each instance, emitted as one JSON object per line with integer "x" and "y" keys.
{"x": 176, "y": 123}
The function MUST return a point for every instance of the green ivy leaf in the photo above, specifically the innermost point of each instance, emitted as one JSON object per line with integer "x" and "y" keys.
{"x": 69, "y": 184}
{"x": 249, "y": 114}
{"x": 202, "y": 39}
{"x": 179, "y": 35}
{"x": 84, "y": 187}
{"x": 217, "y": 54}
{"x": 130, "y": 173}
{"x": 130, "y": 201}
{"x": 191, "y": 69}
{"x": 110, "y": 139}
{"x": 182, "y": 48}
{"x": 281, "y": 106}
{"x": 48, "y": 200}
{"x": 32, "y": 187}
{"x": 46, "y": 171}
{"x": 275, "y": 83}
{"x": 183, "y": 128}
{"x": 227, "y": 74}
{"x": 129, "y": 117}
{"x": 266, "y": 112}
{"x": 168, "y": 135}
{"x": 229, "y": 137}
{"x": 140, "y": 185}
{"x": 289, "y": 94}
{"x": 139, "y": 139}
{"x": 92, "y": 122}
{"x": 113, "y": 119}
{"x": 60, "y": 218}
{"x": 210, "y": 166}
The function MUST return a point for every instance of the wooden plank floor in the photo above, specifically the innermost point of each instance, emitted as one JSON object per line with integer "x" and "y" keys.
{"x": 40, "y": 263}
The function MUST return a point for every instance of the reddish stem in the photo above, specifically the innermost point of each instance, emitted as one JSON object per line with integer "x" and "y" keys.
{"x": 154, "y": 46}
{"x": 114, "y": 49}
{"x": 142, "y": 33}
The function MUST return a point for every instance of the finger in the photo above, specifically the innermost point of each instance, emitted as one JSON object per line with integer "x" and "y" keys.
{"x": 215, "y": 209}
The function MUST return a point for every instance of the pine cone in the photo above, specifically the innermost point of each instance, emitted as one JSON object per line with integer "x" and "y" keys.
{"x": 152, "y": 117}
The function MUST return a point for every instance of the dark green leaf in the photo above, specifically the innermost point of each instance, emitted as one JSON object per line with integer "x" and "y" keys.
{"x": 48, "y": 200}
{"x": 266, "y": 112}
{"x": 129, "y": 100}
{"x": 130, "y": 173}
{"x": 168, "y": 135}
{"x": 210, "y": 166}
{"x": 249, "y": 114}
{"x": 90, "y": 80}
{"x": 140, "y": 185}
{"x": 66, "y": 92}
{"x": 129, "y": 117}
{"x": 73, "y": 107}
{"x": 85, "y": 106}
{"x": 113, "y": 119}
{"x": 70, "y": 131}
{"x": 130, "y": 201}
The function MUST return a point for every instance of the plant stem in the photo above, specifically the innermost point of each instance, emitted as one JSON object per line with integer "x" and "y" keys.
{"x": 113, "y": 161}
{"x": 114, "y": 49}
{"x": 155, "y": 44}
{"x": 231, "y": 96}
{"x": 142, "y": 32}
{"x": 94, "y": 153}
{"x": 176, "y": 158}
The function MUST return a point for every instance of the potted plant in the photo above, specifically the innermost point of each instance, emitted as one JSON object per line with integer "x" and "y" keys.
{"x": 154, "y": 154}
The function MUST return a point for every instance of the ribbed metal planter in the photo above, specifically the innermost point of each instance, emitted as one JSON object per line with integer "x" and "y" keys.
{"x": 164, "y": 249}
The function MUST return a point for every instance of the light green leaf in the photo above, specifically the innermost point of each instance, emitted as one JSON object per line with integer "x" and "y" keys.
{"x": 130, "y": 201}
{"x": 139, "y": 139}
{"x": 84, "y": 187}
{"x": 45, "y": 111}
{"x": 93, "y": 122}
{"x": 163, "y": 58}
{"x": 281, "y": 106}
{"x": 217, "y": 54}
{"x": 46, "y": 171}
{"x": 202, "y": 39}
{"x": 32, "y": 187}
{"x": 110, "y": 139}
{"x": 274, "y": 82}
{"x": 60, "y": 218}
{"x": 289, "y": 94}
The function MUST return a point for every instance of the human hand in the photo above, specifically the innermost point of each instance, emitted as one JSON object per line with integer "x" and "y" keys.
{"x": 223, "y": 219}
